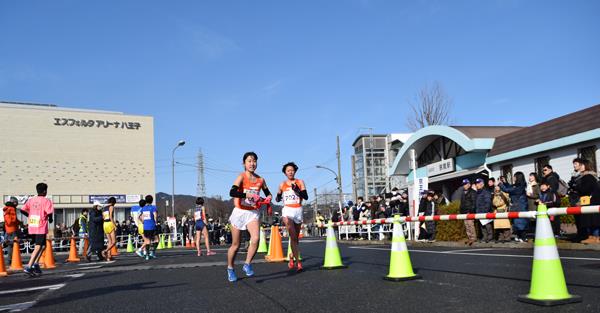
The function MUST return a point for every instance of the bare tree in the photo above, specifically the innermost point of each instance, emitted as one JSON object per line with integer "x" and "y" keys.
{"x": 431, "y": 106}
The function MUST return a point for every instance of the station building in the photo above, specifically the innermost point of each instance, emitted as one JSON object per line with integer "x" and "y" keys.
{"x": 83, "y": 156}
{"x": 445, "y": 155}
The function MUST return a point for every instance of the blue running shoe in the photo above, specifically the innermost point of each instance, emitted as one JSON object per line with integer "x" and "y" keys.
{"x": 36, "y": 269}
{"x": 139, "y": 253}
{"x": 29, "y": 271}
{"x": 231, "y": 275}
{"x": 248, "y": 269}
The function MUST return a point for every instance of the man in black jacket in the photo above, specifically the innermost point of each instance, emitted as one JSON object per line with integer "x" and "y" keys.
{"x": 467, "y": 206}
{"x": 483, "y": 204}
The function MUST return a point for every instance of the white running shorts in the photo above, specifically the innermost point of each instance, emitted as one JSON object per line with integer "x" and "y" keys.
{"x": 240, "y": 218}
{"x": 293, "y": 213}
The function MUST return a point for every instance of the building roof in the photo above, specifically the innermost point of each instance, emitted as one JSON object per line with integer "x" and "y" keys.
{"x": 486, "y": 131}
{"x": 367, "y": 136}
{"x": 52, "y": 107}
{"x": 564, "y": 126}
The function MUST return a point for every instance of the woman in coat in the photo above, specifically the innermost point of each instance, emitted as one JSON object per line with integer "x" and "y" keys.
{"x": 500, "y": 204}
{"x": 533, "y": 191}
{"x": 96, "y": 232}
{"x": 589, "y": 194}
{"x": 518, "y": 198}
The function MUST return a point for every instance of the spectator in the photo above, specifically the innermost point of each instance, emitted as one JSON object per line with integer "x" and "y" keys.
{"x": 551, "y": 177}
{"x": 483, "y": 204}
{"x": 533, "y": 191}
{"x": 428, "y": 208}
{"x": 500, "y": 204}
{"x": 467, "y": 206}
{"x": 439, "y": 199}
{"x": 589, "y": 194}
{"x": 574, "y": 198}
{"x": 82, "y": 222}
{"x": 518, "y": 199}
{"x": 320, "y": 220}
{"x": 96, "y": 232}
{"x": 491, "y": 185}
{"x": 11, "y": 225}
{"x": 550, "y": 200}
{"x": 404, "y": 208}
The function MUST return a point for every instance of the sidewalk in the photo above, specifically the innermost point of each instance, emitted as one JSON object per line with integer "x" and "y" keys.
{"x": 562, "y": 245}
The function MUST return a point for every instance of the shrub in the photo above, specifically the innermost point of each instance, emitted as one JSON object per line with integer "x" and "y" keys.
{"x": 566, "y": 219}
{"x": 450, "y": 230}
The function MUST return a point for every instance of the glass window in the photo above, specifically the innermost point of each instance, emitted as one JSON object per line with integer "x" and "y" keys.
{"x": 589, "y": 153}
{"x": 507, "y": 172}
{"x": 540, "y": 163}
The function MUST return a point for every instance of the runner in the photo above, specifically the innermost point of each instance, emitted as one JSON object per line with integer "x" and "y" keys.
{"x": 245, "y": 193}
{"x": 292, "y": 191}
{"x": 108, "y": 216}
{"x": 200, "y": 218}
{"x": 149, "y": 216}
{"x": 39, "y": 210}
{"x": 135, "y": 215}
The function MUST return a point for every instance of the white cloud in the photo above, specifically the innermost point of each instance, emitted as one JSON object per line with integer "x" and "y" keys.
{"x": 207, "y": 42}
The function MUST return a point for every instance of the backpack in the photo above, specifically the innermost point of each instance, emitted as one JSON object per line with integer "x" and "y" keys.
{"x": 563, "y": 188}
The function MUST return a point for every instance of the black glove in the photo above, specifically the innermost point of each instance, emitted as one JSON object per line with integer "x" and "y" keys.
{"x": 296, "y": 189}
{"x": 278, "y": 198}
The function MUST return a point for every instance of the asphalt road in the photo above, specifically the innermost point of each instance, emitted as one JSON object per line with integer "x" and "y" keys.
{"x": 453, "y": 280}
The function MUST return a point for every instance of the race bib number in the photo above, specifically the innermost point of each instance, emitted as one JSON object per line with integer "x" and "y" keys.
{"x": 250, "y": 201}
{"x": 106, "y": 215}
{"x": 146, "y": 216}
{"x": 198, "y": 215}
{"x": 290, "y": 197}
{"x": 34, "y": 220}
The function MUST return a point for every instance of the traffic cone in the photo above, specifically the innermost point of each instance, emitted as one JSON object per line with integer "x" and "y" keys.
{"x": 161, "y": 243}
{"x": 129, "y": 244}
{"x": 188, "y": 243}
{"x": 86, "y": 247}
{"x": 548, "y": 286}
{"x": 301, "y": 234}
{"x": 73, "y": 252}
{"x": 276, "y": 254}
{"x": 262, "y": 243}
{"x": 289, "y": 252}
{"x": 48, "y": 256}
{"x": 169, "y": 243}
{"x": 400, "y": 265}
{"x": 16, "y": 264}
{"x": 3, "y": 271}
{"x": 114, "y": 251}
{"x": 333, "y": 259}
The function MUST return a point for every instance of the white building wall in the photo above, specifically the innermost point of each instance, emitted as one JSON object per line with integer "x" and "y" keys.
{"x": 561, "y": 161}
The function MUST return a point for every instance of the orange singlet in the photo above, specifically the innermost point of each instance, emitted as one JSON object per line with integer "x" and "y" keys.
{"x": 290, "y": 198}
{"x": 248, "y": 187}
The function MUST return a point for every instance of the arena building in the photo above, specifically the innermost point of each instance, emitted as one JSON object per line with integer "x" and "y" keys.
{"x": 83, "y": 156}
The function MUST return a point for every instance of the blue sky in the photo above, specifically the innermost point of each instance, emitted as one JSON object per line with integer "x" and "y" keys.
{"x": 284, "y": 78}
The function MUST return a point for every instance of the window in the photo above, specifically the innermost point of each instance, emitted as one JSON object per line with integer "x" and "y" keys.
{"x": 588, "y": 153}
{"x": 506, "y": 172}
{"x": 540, "y": 163}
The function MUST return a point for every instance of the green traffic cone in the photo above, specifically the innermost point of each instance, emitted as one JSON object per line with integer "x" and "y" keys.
{"x": 169, "y": 243}
{"x": 262, "y": 243}
{"x": 548, "y": 286}
{"x": 161, "y": 243}
{"x": 333, "y": 259}
{"x": 289, "y": 252}
{"x": 400, "y": 265}
{"x": 129, "y": 244}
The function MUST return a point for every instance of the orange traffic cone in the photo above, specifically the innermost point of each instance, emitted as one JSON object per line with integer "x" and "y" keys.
{"x": 16, "y": 264}
{"x": 2, "y": 266}
{"x": 188, "y": 243}
{"x": 86, "y": 246}
{"x": 301, "y": 234}
{"x": 73, "y": 252}
{"x": 48, "y": 256}
{"x": 276, "y": 253}
{"x": 114, "y": 251}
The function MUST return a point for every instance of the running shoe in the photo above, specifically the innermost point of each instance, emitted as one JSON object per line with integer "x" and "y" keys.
{"x": 211, "y": 252}
{"x": 231, "y": 275}
{"x": 29, "y": 271}
{"x": 152, "y": 255}
{"x": 299, "y": 267}
{"x": 147, "y": 257}
{"x": 291, "y": 263}
{"x": 139, "y": 253}
{"x": 36, "y": 269}
{"x": 248, "y": 270}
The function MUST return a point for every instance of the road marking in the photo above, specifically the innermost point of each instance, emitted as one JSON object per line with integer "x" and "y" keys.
{"x": 90, "y": 267}
{"x": 17, "y": 307}
{"x": 479, "y": 254}
{"x": 50, "y": 287}
{"x": 467, "y": 250}
{"x": 78, "y": 275}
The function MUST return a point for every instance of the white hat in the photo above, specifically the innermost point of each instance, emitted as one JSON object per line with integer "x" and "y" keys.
{"x": 97, "y": 203}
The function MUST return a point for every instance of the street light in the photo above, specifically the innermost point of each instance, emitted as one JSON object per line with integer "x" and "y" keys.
{"x": 179, "y": 144}
{"x": 337, "y": 179}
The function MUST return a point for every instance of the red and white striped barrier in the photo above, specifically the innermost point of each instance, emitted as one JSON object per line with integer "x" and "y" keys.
{"x": 488, "y": 216}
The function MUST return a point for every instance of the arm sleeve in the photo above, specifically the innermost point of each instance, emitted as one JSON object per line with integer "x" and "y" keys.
{"x": 304, "y": 194}
{"x": 50, "y": 219}
{"x": 266, "y": 191}
{"x": 24, "y": 212}
{"x": 233, "y": 192}
{"x": 278, "y": 197}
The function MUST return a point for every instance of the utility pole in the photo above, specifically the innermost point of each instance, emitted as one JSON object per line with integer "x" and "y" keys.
{"x": 316, "y": 203}
{"x": 201, "y": 191}
{"x": 339, "y": 174}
